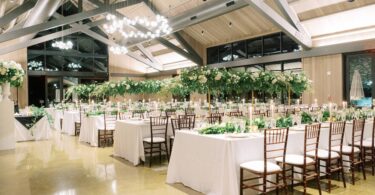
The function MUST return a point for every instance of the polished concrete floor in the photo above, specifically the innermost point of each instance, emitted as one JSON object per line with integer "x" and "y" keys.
{"x": 63, "y": 166}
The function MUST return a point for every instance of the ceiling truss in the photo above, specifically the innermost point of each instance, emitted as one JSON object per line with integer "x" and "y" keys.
{"x": 26, "y": 6}
{"x": 292, "y": 27}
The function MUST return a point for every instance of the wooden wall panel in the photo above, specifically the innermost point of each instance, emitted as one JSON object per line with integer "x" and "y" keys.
{"x": 326, "y": 73}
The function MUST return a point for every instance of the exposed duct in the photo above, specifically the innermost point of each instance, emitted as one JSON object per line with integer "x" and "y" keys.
{"x": 205, "y": 12}
{"x": 41, "y": 12}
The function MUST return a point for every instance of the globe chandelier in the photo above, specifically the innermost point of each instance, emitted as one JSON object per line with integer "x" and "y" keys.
{"x": 155, "y": 28}
{"x": 61, "y": 44}
{"x": 118, "y": 50}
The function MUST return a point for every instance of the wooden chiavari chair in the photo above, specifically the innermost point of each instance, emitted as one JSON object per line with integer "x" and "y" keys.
{"x": 106, "y": 135}
{"x": 290, "y": 111}
{"x": 191, "y": 117}
{"x": 189, "y": 111}
{"x": 170, "y": 112}
{"x": 275, "y": 143}
{"x": 77, "y": 124}
{"x": 158, "y": 138}
{"x": 268, "y": 112}
{"x": 369, "y": 149}
{"x": 309, "y": 166}
{"x": 236, "y": 114}
{"x": 182, "y": 123}
{"x": 214, "y": 119}
{"x": 258, "y": 113}
{"x": 138, "y": 114}
{"x": 354, "y": 151}
{"x": 332, "y": 160}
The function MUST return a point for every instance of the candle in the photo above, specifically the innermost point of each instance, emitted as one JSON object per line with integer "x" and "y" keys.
{"x": 118, "y": 106}
{"x": 255, "y": 100}
{"x": 315, "y": 102}
{"x": 297, "y": 102}
{"x": 272, "y": 110}
{"x": 330, "y": 110}
{"x": 251, "y": 113}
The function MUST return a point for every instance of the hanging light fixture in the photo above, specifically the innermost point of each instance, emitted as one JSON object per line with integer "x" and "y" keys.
{"x": 118, "y": 50}
{"x": 61, "y": 44}
{"x": 155, "y": 28}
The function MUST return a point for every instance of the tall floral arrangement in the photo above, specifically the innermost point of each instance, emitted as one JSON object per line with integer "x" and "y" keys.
{"x": 298, "y": 82}
{"x": 11, "y": 72}
{"x": 83, "y": 91}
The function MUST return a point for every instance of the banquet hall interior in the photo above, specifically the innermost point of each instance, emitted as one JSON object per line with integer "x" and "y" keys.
{"x": 218, "y": 97}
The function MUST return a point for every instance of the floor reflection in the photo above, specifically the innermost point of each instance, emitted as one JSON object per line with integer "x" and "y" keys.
{"x": 63, "y": 166}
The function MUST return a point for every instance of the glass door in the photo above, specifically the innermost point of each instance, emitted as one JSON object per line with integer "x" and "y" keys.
{"x": 359, "y": 77}
{"x": 53, "y": 90}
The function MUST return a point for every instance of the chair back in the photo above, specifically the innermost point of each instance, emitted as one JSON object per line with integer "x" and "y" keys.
{"x": 214, "y": 119}
{"x": 290, "y": 111}
{"x": 311, "y": 140}
{"x": 138, "y": 114}
{"x": 236, "y": 113}
{"x": 336, "y": 135}
{"x": 357, "y": 133}
{"x": 159, "y": 127}
{"x": 110, "y": 118}
{"x": 170, "y": 112}
{"x": 174, "y": 123}
{"x": 189, "y": 111}
{"x": 192, "y": 119}
{"x": 275, "y": 144}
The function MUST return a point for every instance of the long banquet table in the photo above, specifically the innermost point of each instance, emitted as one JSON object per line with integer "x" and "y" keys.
{"x": 210, "y": 163}
{"x": 128, "y": 139}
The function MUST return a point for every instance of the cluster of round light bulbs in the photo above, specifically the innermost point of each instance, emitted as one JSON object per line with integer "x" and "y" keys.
{"x": 63, "y": 45}
{"x": 159, "y": 26}
{"x": 118, "y": 50}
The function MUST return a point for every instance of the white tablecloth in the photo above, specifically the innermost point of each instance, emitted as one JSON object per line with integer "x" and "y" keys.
{"x": 128, "y": 139}
{"x": 69, "y": 119}
{"x": 40, "y": 131}
{"x": 57, "y": 116}
{"x": 89, "y": 129}
{"x": 210, "y": 163}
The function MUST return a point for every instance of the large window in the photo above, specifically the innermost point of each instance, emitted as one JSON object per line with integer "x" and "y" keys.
{"x": 53, "y": 70}
{"x": 359, "y": 77}
{"x": 255, "y": 47}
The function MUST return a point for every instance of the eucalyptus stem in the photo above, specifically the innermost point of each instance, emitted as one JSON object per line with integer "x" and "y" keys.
{"x": 289, "y": 95}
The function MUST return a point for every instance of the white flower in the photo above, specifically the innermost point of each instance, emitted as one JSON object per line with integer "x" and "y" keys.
{"x": 274, "y": 81}
{"x": 127, "y": 86}
{"x": 202, "y": 79}
{"x": 218, "y": 76}
{"x": 13, "y": 78}
{"x": 113, "y": 85}
{"x": 256, "y": 74}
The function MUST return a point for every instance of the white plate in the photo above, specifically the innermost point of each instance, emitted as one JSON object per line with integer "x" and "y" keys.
{"x": 237, "y": 135}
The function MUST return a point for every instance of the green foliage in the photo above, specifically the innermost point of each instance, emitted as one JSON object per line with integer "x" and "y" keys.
{"x": 284, "y": 122}
{"x": 202, "y": 80}
{"x": 325, "y": 115}
{"x": 220, "y": 129}
{"x": 306, "y": 118}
